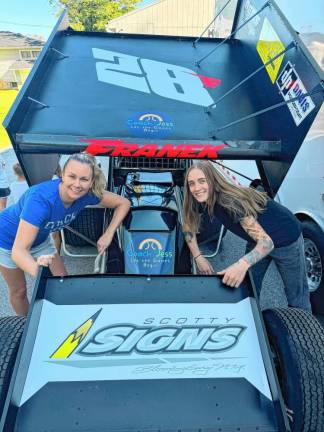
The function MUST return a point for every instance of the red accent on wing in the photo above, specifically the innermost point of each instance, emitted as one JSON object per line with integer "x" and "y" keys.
{"x": 208, "y": 82}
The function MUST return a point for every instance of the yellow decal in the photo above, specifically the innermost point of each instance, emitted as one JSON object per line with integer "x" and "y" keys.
{"x": 69, "y": 345}
{"x": 268, "y": 46}
{"x": 138, "y": 189}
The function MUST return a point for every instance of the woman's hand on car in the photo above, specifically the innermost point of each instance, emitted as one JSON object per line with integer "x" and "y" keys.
{"x": 234, "y": 275}
{"x": 204, "y": 265}
{"x": 104, "y": 242}
{"x": 45, "y": 260}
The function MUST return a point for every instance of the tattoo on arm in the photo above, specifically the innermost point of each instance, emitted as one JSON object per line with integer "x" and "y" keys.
{"x": 188, "y": 236}
{"x": 253, "y": 257}
{"x": 264, "y": 244}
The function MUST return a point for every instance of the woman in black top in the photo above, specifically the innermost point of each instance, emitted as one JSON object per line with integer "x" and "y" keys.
{"x": 272, "y": 231}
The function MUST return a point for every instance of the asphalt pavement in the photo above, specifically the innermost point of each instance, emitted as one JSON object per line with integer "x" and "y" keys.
{"x": 232, "y": 249}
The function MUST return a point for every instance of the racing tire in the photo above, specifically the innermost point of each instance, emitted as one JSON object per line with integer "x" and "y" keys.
{"x": 297, "y": 341}
{"x": 11, "y": 329}
{"x": 89, "y": 223}
{"x": 314, "y": 254}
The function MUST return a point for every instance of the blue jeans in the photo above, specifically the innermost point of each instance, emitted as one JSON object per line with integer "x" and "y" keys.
{"x": 290, "y": 262}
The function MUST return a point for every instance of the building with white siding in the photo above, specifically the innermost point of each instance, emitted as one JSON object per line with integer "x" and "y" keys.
{"x": 168, "y": 17}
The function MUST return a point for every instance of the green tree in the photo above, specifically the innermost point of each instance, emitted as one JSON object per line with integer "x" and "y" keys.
{"x": 93, "y": 15}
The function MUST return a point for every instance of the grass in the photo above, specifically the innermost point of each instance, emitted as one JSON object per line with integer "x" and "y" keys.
{"x": 6, "y": 99}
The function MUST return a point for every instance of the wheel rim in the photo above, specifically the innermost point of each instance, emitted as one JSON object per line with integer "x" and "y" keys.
{"x": 314, "y": 268}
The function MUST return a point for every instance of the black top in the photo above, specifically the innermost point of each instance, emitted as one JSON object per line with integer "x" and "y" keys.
{"x": 276, "y": 220}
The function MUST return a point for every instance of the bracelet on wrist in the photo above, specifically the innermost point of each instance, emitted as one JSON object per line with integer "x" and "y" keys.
{"x": 197, "y": 256}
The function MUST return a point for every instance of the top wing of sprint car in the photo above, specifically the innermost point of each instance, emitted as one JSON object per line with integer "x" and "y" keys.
{"x": 253, "y": 95}
{"x": 164, "y": 352}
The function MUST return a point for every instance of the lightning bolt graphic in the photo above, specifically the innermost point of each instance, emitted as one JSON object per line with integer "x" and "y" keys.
{"x": 74, "y": 339}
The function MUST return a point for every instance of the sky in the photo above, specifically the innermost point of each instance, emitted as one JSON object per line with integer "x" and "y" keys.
{"x": 37, "y": 16}
{"x": 30, "y": 16}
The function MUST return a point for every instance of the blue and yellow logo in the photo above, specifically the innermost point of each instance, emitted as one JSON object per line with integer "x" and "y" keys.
{"x": 150, "y": 124}
{"x": 70, "y": 344}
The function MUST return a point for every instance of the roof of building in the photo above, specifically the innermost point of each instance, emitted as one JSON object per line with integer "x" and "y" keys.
{"x": 312, "y": 37}
{"x": 17, "y": 40}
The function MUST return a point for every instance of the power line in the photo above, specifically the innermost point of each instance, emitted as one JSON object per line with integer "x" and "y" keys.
{"x": 23, "y": 24}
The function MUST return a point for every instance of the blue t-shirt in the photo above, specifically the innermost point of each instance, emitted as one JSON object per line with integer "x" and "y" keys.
{"x": 277, "y": 221}
{"x": 41, "y": 206}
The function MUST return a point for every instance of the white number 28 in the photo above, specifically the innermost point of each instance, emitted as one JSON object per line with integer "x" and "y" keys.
{"x": 150, "y": 76}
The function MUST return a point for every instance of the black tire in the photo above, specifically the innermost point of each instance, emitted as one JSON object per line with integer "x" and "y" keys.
{"x": 314, "y": 254}
{"x": 297, "y": 341}
{"x": 11, "y": 329}
{"x": 89, "y": 223}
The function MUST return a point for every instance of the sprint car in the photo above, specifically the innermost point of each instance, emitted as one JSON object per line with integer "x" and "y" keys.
{"x": 147, "y": 344}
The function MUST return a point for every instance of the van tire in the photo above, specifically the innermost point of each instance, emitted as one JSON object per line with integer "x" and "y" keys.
{"x": 89, "y": 223}
{"x": 11, "y": 329}
{"x": 297, "y": 341}
{"x": 314, "y": 254}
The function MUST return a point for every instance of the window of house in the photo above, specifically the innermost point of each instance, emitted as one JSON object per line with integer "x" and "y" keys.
{"x": 28, "y": 55}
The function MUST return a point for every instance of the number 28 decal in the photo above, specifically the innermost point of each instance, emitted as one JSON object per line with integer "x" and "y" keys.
{"x": 150, "y": 76}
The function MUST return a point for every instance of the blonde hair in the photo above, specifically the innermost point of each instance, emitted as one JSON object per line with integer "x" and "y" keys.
{"x": 58, "y": 171}
{"x": 238, "y": 201}
{"x": 99, "y": 182}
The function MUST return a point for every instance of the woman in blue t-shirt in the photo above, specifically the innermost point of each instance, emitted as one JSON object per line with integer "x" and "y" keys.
{"x": 271, "y": 230}
{"x": 25, "y": 241}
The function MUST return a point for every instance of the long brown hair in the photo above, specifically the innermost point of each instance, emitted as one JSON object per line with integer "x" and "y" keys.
{"x": 239, "y": 201}
{"x": 99, "y": 181}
